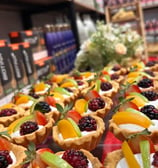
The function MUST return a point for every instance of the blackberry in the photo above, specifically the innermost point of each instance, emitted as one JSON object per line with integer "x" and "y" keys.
{"x": 5, "y": 159}
{"x": 42, "y": 107}
{"x": 150, "y": 95}
{"x": 96, "y": 103}
{"x": 28, "y": 127}
{"x": 7, "y": 112}
{"x": 151, "y": 73}
{"x": 34, "y": 95}
{"x": 116, "y": 68}
{"x": 145, "y": 83}
{"x": 87, "y": 123}
{"x": 114, "y": 76}
{"x": 75, "y": 158}
{"x": 150, "y": 63}
{"x": 80, "y": 83}
{"x": 150, "y": 111}
{"x": 155, "y": 159}
{"x": 106, "y": 86}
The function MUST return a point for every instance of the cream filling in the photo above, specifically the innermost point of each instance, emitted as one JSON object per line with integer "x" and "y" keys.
{"x": 134, "y": 127}
{"x": 101, "y": 92}
{"x": 13, "y": 159}
{"x": 123, "y": 164}
{"x": 53, "y": 108}
{"x": 26, "y": 105}
{"x": 66, "y": 96}
{"x": 145, "y": 89}
{"x": 154, "y": 103}
{"x": 17, "y": 133}
{"x": 83, "y": 133}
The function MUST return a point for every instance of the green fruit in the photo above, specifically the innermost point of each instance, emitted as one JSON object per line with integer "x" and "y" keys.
{"x": 145, "y": 153}
{"x": 75, "y": 126}
{"x": 54, "y": 161}
{"x": 107, "y": 77}
{"x": 23, "y": 119}
{"x": 62, "y": 91}
{"x": 97, "y": 85}
{"x": 139, "y": 95}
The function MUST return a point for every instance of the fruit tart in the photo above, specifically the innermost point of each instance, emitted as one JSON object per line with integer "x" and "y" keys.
{"x": 72, "y": 158}
{"x": 33, "y": 128}
{"x": 138, "y": 151}
{"x": 86, "y": 134}
{"x": 11, "y": 155}
{"x": 151, "y": 65}
{"x": 66, "y": 93}
{"x": 10, "y": 112}
{"x": 93, "y": 104}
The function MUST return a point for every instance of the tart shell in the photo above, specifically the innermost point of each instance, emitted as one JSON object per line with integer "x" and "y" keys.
{"x": 88, "y": 142}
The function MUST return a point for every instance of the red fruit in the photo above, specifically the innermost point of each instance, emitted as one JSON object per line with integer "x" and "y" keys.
{"x": 44, "y": 150}
{"x": 4, "y": 144}
{"x": 105, "y": 73}
{"x": 50, "y": 100}
{"x": 74, "y": 115}
{"x": 132, "y": 88}
{"x": 128, "y": 105}
{"x": 134, "y": 143}
{"x": 40, "y": 118}
{"x": 91, "y": 94}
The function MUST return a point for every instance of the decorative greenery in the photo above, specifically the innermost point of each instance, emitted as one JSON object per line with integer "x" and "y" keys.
{"x": 109, "y": 43}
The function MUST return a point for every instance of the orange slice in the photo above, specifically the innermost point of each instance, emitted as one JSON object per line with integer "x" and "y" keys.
{"x": 80, "y": 105}
{"x": 86, "y": 74}
{"x": 134, "y": 74}
{"x": 137, "y": 100}
{"x": 22, "y": 99}
{"x": 128, "y": 154}
{"x": 66, "y": 129}
{"x": 67, "y": 84}
{"x": 131, "y": 118}
{"x": 39, "y": 86}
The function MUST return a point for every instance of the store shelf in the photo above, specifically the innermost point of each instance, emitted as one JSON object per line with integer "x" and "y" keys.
{"x": 150, "y": 7}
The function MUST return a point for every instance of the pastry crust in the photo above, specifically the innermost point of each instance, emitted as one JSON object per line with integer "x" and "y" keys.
{"x": 19, "y": 152}
{"x": 7, "y": 120}
{"x": 94, "y": 160}
{"x": 88, "y": 142}
{"x": 104, "y": 111}
{"x": 37, "y": 136}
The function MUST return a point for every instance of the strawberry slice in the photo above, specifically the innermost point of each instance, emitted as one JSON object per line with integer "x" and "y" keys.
{"x": 44, "y": 150}
{"x": 132, "y": 88}
{"x": 4, "y": 144}
{"x": 50, "y": 100}
{"x": 128, "y": 105}
{"x": 40, "y": 118}
{"x": 105, "y": 72}
{"x": 134, "y": 142}
{"x": 74, "y": 115}
{"x": 91, "y": 94}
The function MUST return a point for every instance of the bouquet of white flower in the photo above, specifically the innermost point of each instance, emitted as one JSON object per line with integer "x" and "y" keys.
{"x": 109, "y": 43}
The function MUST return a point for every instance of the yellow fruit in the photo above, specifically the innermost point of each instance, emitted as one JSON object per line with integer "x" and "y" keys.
{"x": 137, "y": 100}
{"x": 66, "y": 129}
{"x": 128, "y": 154}
{"x": 80, "y": 105}
{"x": 39, "y": 87}
{"x": 131, "y": 118}
{"x": 22, "y": 99}
{"x": 58, "y": 96}
{"x": 9, "y": 105}
{"x": 67, "y": 84}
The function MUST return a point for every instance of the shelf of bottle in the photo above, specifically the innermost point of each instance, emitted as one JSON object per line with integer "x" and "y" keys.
{"x": 154, "y": 6}
{"x": 122, "y": 5}
{"x": 126, "y": 20}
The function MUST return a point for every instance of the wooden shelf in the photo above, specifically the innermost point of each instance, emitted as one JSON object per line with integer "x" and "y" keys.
{"x": 126, "y": 20}
{"x": 150, "y": 7}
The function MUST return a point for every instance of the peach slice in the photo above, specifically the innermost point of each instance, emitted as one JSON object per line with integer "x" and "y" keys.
{"x": 67, "y": 84}
{"x": 22, "y": 99}
{"x": 39, "y": 86}
{"x": 58, "y": 96}
{"x": 9, "y": 105}
{"x": 131, "y": 118}
{"x": 128, "y": 154}
{"x": 66, "y": 129}
{"x": 80, "y": 105}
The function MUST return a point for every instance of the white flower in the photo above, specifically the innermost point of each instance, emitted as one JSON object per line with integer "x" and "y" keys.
{"x": 139, "y": 51}
{"x": 85, "y": 46}
{"x": 120, "y": 49}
